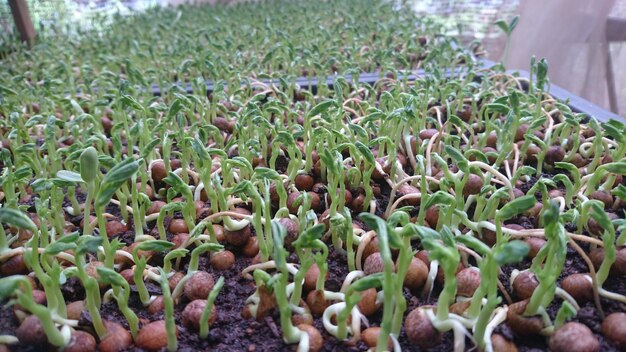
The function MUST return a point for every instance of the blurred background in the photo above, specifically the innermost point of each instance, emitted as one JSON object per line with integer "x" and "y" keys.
{"x": 583, "y": 40}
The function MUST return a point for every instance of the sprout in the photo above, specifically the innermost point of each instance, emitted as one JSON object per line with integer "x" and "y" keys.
{"x": 121, "y": 292}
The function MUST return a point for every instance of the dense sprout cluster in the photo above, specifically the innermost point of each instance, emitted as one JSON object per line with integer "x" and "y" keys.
{"x": 464, "y": 209}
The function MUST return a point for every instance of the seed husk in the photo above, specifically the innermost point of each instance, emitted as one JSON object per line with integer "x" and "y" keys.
{"x": 199, "y": 285}
{"x": 574, "y": 337}
{"x": 420, "y": 330}
{"x": 153, "y": 336}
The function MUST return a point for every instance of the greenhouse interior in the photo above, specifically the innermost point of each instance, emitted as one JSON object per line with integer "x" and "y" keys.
{"x": 313, "y": 175}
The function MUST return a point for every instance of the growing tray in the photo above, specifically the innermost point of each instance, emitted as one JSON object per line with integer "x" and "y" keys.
{"x": 576, "y": 103}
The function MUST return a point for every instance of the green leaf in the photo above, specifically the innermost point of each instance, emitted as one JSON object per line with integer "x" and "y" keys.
{"x": 88, "y": 164}
{"x": 309, "y": 236}
{"x": 516, "y": 207}
{"x": 119, "y": 174}
{"x": 456, "y": 155}
{"x": 111, "y": 277}
{"x": 511, "y": 252}
{"x": 129, "y": 101}
{"x": 365, "y": 152}
{"x": 503, "y": 26}
{"x": 599, "y": 215}
{"x": 371, "y": 281}
{"x": 154, "y": 246}
{"x": 175, "y": 108}
{"x": 620, "y": 192}
{"x": 474, "y": 243}
{"x": 618, "y": 168}
{"x": 16, "y": 218}
{"x": 88, "y": 244}
{"x": 63, "y": 244}
{"x": 9, "y": 285}
{"x": 177, "y": 183}
{"x": 495, "y": 107}
{"x": 148, "y": 148}
{"x": 513, "y": 23}
{"x": 615, "y": 132}
{"x": 69, "y": 176}
{"x": 321, "y": 107}
{"x": 440, "y": 197}
{"x": 266, "y": 173}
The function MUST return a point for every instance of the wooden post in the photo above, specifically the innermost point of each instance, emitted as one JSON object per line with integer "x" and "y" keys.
{"x": 21, "y": 16}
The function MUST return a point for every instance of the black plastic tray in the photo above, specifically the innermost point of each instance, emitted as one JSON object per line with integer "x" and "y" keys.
{"x": 576, "y": 103}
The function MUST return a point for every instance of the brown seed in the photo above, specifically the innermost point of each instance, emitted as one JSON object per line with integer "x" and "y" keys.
{"x": 107, "y": 124}
{"x": 158, "y": 171}
{"x": 80, "y": 341}
{"x": 316, "y": 342}
{"x": 574, "y": 337}
{"x": 251, "y": 248}
{"x": 224, "y": 124}
{"x": 370, "y": 336}
{"x": 292, "y": 231}
{"x": 459, "y": 308}
{"x": 178, "y": 226}
{"x": 554, "y": 154}
{"x": 358, "y": 202}
{"x": 223, "y": 260}
{"x": 293, "y": 203}
{"x": 554, "y": 193}
{"x": 534, "y": 211}
{"x": 305, "y": 318}
{"x": 416, "y": 275}
{"x": 465, "y": 113}
{"x": 316, "y": 201}
{"x": 304, "y": 182}
{"x": 75, "y": 309}
{"x": 175, "y": 279}
{"x": 30, "y": 332}
{"x": 578, "y": 287}
{"x": 520, "y": 324}
{"x": 521, "y": 131}
{"x": 316, "y": 302}
{"x": 532, "y": 151}
{"x": 374, "y": 264}
{"x": 473, "y": 185}
{"x": 578, "y": 161}
{"x": 367, "y": 305}
{"x": 238, "y": 238}
{"x": 192, "y": 314}
{"x": 180, "y": 239}
{"x": 614, "y": 329}
{"x": 155, "y": 207}
{"x": 199, "y": 285}
{"x": 535, "y": 244}
{"x": 427, "y": 134}
{"x": 420, "y": 330}
{"x": 432, "y": 216}
{"x": 128, "y": 275}
{"x": 406, "y": 189}
{"x": 618, "y": 267}
{"x": 14, "y": 266}
{"x": 153, "y": 336}
{"x": 114, "y": 228}
{"x": 501, "y": 344}
{"x": 525, "y": 284}
{"x": 311, "y": 276}
{"x": 157, "y": 306}
{"x": 468, "y": 281}
{"x": 603, "y": 196}
{"x": 219, "y": 233}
